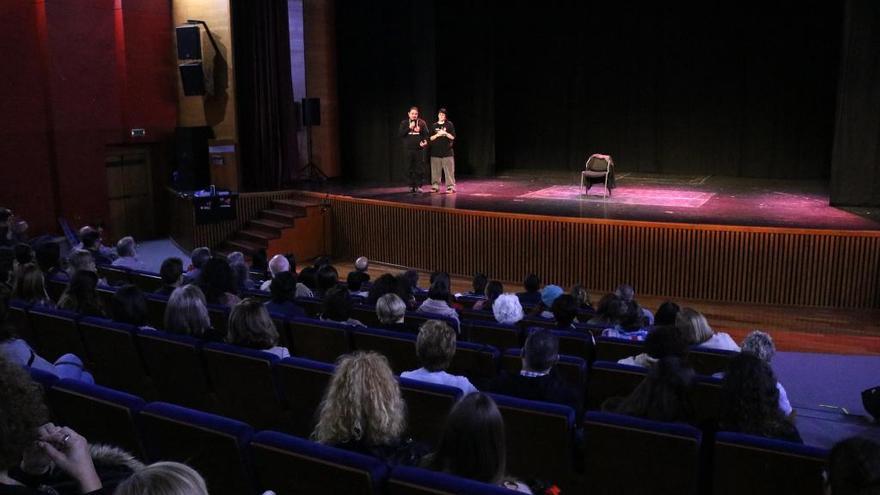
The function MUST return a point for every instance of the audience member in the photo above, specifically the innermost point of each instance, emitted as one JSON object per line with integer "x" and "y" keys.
{"x": 854, "y": 467}
{"x": 435, "y": 348}
{"x": 611, "y": 313}
{"x": 355, "y": 281}
{"x": 582, "y": 296}
{"x": 126, "y": 249}
{"x": 548, "y": 295}
{"x": 328, "y": 278}
{"x": 697, "y": 331}
{"x": 199, "y": 257}
{"x": 385, "y": 284}
{"x": 437, "y": 302}
{"x": 308, "y": 276}
{"x": 81, "y": 295}
{"x": 750, "y": 400}
{"x": 493, "y": 290}
{"x": 472, "y": 444}
{"x": 49, "y": 258}
{"x": 163, "y": 478}
{"x": 278, "y": 264}
{"x": 478, "y": 286}
{"x": 507, "y": 309}
{"x": 532, "y": 294}
{"x": 564, "y": 311}
{"x": 217, "y": 281}
{"x": 80, "y": 259}
{"x": 171, "y": 273}
{"x": 240, "y": 271}
{"x": 362, "y": 265}
{"x": 30, "y": 286}
{"x": 538, "y": 378}
{"x": 283, "y": 301}
{"x": 628, "y": 295}
{"x": 251, "y": 326}
{"x": 405, "y": 291}
{"x": 664, "y": 394}
{"x": 761, "y": 344}
{"x": 661, "y": 342}
{"x": 666, "y": 314}
{"x": 363, "y": 411}
{"x": 412, "y": 277}
{"x": 391, "y": 311}
{"x": 187, "y": 314}
{"x": 336, "y": 307}
{"x": 128, "y": 305}
{"x": 91, "y": 242}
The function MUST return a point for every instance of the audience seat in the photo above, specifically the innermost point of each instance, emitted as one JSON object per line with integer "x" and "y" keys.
{"x": 614, "y": 349}
{"x": 156, "y": 310}
{"x": 576, "y": 343}
{"x": 174, "y": 364}
{"x": 17, "y": 317}
{"x": 631, "y": 455}
{"x": 416, "y": 481}
{"x": 427, "y": 405}
{"x": 495, "y": 334}
{"x": 414, "y": 319}
{"x": 55, "y": 287}
{"x": 609, "y": 379}
{"x": 706, "y": 398}
{"x": 761, "y": 466}
{"x": 311, "y": 305}
{"x": 317, "y": 340}
{"x": 366, "y": 315}
{"x": 470, "y": 315}
{"x": 289, "y": 465}
{"x": 540, "y": 439}
{"x": 219, "y": 315}
{"x": 114, "y": 276}
{"x": 572, "y": 369}
{"x": 478, "y": 362}
{"x": 56, "y": 332}
{"x": 146, "y": 281}
{"x": 398, "y": 347}
{"x": 100, "y": 414}
{"x": 214, "y": 445}
{"x": 112, "y": 350}
{"x": 709, "y": 361}
{"x": 302, "y": 383}
{"x": 244, "y": 383}
{"x": 44, "y": 378}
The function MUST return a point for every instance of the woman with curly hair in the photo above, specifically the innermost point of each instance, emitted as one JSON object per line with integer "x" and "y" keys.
{"x": 29, "y": 445}
{"x": 750, "y": 400}
{"x": 164, "y": 478}
{"x": 363, "y": 411}
{"x": 251, "y": 326}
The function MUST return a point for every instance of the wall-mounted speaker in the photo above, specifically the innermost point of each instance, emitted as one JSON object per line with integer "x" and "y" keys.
{"x": 311, "y": 111}
{"x": 192, "y": 75}
{"x": 189, "y": 42}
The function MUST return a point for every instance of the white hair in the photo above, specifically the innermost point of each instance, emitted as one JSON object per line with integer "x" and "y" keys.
{"x": 361, "y": 264}
{"x": 507, "y": 309}
{"x": 759, "y": 344}
{"x": 390, "y": 308}
{"x": 279, "y": 263}
{"x": 125, "y": 246}
{"x": 235, "y": 257}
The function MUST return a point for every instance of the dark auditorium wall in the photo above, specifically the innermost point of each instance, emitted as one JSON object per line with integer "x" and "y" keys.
{"x": 727, "y": 87}
{"x": 74, "y": 78}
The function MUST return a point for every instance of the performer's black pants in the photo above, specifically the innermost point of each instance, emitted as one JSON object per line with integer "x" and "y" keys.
{"x": 415, "y": 163}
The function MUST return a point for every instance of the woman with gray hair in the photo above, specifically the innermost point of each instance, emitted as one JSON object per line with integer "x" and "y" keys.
{"x": 507, "y": 309}
{"x": 760, "y": 345}
{"x": 391, "y": 311}
{"x": 187, "y": 314}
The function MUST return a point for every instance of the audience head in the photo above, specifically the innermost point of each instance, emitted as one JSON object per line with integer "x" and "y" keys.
{"x": 549, "y": 294}
{"x": 163, "y": 478}
{"x": 251, "y": 326}
{"x": 235, "y": 257}
{"x": 532, "y": 283}
{"x": 390, "y": 309}
{"x": 541, "y": 351}
{"x": 693, "y": 326}
{"x": 328, "y": 278}
{"x": 854, "y": 467}
{"x": 403, "y": 289}
{"x": 581, "y": 295}
{"x": 472, "y": 443}
{"x": 493, "y": 290}
{"x": 283, "y": 287}
{"x": 24, "y": 253}
{"x": 81, "y": 259}
{"x": 90, "y": 238}
{"x": 666, "y": 341}
{"x": 336, "y": 305}
{"x": 435, "y": 345}
{"x": 625, "y": 292}
{"x": 362, "y": 264}
{"x": 479, "y": 284}
{"x": 749, "y": 397}
{"x": 80, "y": 294}
{"x": 128, "y": 305}
{"x": 612, "y": 309}
{"x": 199, "y": 257}
{"x": 278, "y": 264}
{"x": 413, "y": 277}
{"x": 22, "y": 412}
{"x": 439, "y": 289}
{"x": 666, "y": 314}
{"x": 759, "y": 344}
{"x": 664, "y": 394}
{"x": 308, "y": 276}
{"x": 355, "y": 280}
{"x": 241, "y": 274}
{"x": 216, "y": 279}
{"x": 48, "y": 256}
{"x": 362, "y": 403}
{"x": 125, "y": 247}
{"x": 30, "y": 285}
{"x": 171, "y": 271}
{"x": 385, "y": 284}
{"x": 439, "y": 275}
{"x": 187, "y": 312}
{"x": 565, "y": 310}
{"x": 508, "y": 310}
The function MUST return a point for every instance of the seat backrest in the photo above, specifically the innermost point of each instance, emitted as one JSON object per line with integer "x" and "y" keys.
{"x": 17, "y": 317}
{"x": 289, "y": 465}
{"x": 572, "y": 369}
{"x": 494, "y": 334}
{"x": 100, "y": 414}
{"x": 427, "y": 405}
{"x": 219, "y": 316}
{"x": 398, "y": 347}
{"x": 44, "y": 378}
{"x": 474, "y": 315}
{"x": 114, "y": 276}
{"x": 213, "y": 445}
{"x": 539, "y": 439}
{"x": 609, "y": 379}
{"x": 244, "y": 383}
{"x": 318, "y": 340}
{"x": 597, "y": 163}
{"x": 478, "y": 362}
{"x": 302, "y": 383}
{"x": 366, "y": 315}
{"x": 147, "y": 282}
{"x": 56, "y": 332}
{"x": 707, "y": 361}
{"x": 706, "y": 398}
{"x": 174, "y": 363}
{"x": 614, "y": 349}
{"x": 579, "y": 344}
{"x": 112, "y": 350}
{"x": 311, "y": 305}
{"x": 156, "y": 305}
{"x": 416, "y": 481}
{"x": 757, "y": 465}
{"x": 415, "y": 319}
{"x": 55, "y": 287}
{"x": 624, "y": 454}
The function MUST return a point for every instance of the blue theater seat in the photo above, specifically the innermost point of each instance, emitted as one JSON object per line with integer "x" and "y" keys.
{"x": 624, "y": 454}
{"x": 219, "y": 315}
{"x": 147, "y": 282}
{"x": 478, "y": 362}
{"x": 112, "y": 350}
{"x": 414, "y": 320}
{"x": 56, "y": 332}
{"x": 214, "y": 445}
{"x": 495, "y": 334}
{"x": 572, "y": 369}
{"x": 609, "y": 379}
{"x": 302, "y": 383}
{"x": 707, "y": 361}
{"x": 317, "y": 340}
{"x": 576, "y": 343}
{"x": 44, "y": 378}
{"x": 156, "y": 310}
{"x": 416, "y": 481}
{"x": 398, "y": 347}
{"x": 174, "y": 363}
{"x": 427, "y": 406}
{"x": 761, "y": 466}
{"x": 289, "y": 465}
{"x": 614, "y": 348}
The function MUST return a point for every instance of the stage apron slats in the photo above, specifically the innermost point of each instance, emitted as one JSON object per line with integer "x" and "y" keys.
{"x": 760, "y": 265}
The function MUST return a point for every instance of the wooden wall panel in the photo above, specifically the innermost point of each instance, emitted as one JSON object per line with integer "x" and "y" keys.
{"x": 720, "y": 263}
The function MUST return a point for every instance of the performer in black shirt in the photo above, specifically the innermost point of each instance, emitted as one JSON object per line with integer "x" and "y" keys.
{"x": 442, "y": 159}
{"x": 414, "y": 133}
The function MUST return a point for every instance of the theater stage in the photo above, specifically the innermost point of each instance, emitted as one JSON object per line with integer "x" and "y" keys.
{"x": 646, "y": 197}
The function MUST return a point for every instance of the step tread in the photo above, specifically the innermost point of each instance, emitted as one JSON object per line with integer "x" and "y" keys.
{"x": 260, "y": 234}
{"x": 302, "y": 203}
{"x": 272, "y": 224}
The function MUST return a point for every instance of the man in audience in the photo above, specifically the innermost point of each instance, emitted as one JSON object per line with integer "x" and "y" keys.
{"x": 391, "y": 311}
{"x": 361, "y": 265}
{"x": 283, "y": 302}
{"x": 171, "y": 273}
{"x": 355, "y": 282}
{"x": 127, "y": 252}
{"x": 435, "y": 348}
{"x": 278, "y": 264}
{"x": 532, "y": 294}
{"x": 538, "y": 380}
{"x": 91, "y": 242}
{"x": 413, "y": 277}
{"x": 199, "y": 257}
{"x": 628, "y": 295}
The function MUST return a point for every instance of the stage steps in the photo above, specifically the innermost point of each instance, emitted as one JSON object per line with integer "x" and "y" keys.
{"x": 297, "y": 225}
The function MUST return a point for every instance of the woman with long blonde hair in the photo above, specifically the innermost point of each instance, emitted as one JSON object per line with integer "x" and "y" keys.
{"x": 363, "y": 411}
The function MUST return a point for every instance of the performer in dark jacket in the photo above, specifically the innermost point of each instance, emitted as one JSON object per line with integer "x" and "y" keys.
{"x": 413, "y": 132}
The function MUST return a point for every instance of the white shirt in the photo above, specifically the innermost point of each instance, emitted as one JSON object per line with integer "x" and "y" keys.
{"x": 440, "y": 378}
{"x": 129, "y": 262}
{"x": 721, "y": 341}
{"x": 279, "y": 351}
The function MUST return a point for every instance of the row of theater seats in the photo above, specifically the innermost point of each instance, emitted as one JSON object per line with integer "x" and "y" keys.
{"x": 622, "y": 454}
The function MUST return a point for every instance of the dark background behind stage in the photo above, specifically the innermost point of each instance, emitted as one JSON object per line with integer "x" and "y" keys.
{"x": 721, "y": 87}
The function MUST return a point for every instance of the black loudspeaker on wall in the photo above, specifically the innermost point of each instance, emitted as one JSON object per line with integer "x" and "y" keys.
{"x": 193, "y": 78}
{"x": 189, "y": 42}
{"x": 311, "y": 111}
{"x": 871, "y": 401}
{"x": 191, "y": 153}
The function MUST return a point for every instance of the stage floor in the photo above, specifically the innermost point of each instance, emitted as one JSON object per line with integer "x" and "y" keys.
{"x": 645, "y": 197}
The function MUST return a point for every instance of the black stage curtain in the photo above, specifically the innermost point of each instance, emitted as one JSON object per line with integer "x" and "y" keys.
{"x": 720, "y": 87}
{"x": 264, "y": 92}
{"x": 855, "y": 164}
